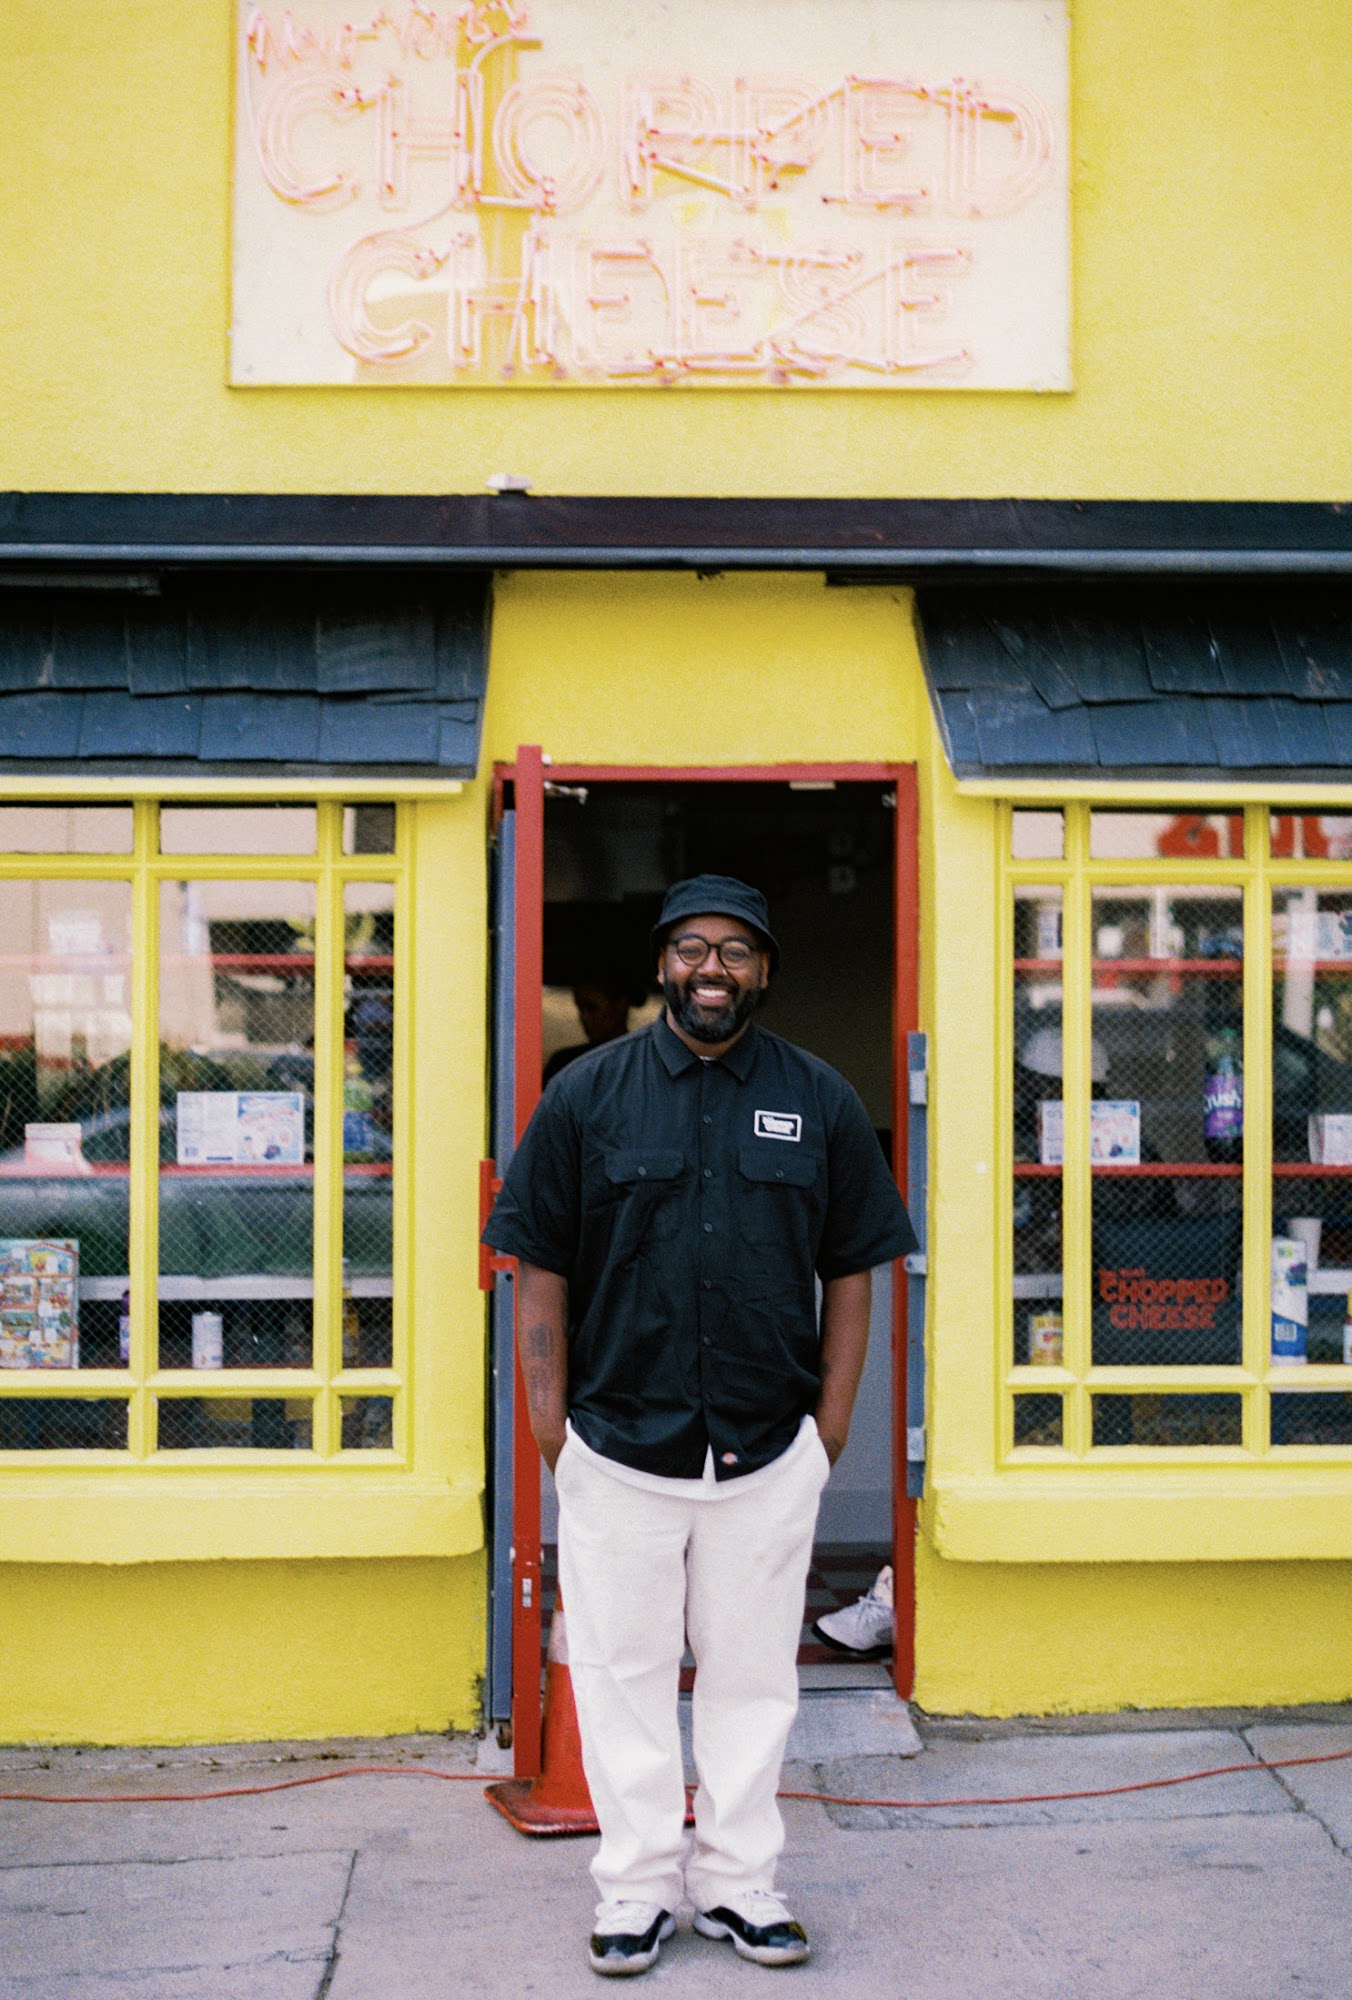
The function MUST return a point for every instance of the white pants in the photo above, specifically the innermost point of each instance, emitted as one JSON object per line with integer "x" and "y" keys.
{"x": 639, "y": 1569}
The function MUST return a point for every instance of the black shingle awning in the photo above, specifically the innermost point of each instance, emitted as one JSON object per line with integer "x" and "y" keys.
{"x": 369, "y": 676}
{"x": 1209, "y": 679}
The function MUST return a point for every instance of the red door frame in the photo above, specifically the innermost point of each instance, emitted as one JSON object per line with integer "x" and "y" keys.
{"x": 527, "y": 776}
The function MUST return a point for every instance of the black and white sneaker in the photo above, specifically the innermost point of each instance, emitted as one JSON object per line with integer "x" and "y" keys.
{"x": 760, "y": 1926}
{"x": 628, "y": 1938}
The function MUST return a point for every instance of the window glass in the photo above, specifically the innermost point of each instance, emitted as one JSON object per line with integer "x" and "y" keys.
{"x": 223, "y": 1423}
{"x": 65, "y": 1423}
{"x": 1037, "y": 1133}
{"x": 1310, "y": 837}
{"x": 1167, "y": 1125}
{"x": 1311, "y": 1124}
{"x": 367, "y": 1423}
{"x": 237, "y": 1020}
{"x": 1037, "y": 836}
{"x": 368, "y": 1124}
{"x": 65, "y": 830}
{"x": 1167, "y": 1421}
{"x": 65, "y": 1040}
{"x": 1180, "y": 836}
{"x": 368, "y": 830}
{"x": 1037, "y": 1420}
{"x": 238, "y": 829}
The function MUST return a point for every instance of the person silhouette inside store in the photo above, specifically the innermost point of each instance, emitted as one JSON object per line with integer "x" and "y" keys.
{"x": 603, "y": 1000}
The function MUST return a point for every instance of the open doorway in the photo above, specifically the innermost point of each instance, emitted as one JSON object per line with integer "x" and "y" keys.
{"x": 823, "y": 851}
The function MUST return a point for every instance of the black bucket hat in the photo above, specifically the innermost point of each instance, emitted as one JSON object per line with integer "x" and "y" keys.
{"x": 716, "y": 896}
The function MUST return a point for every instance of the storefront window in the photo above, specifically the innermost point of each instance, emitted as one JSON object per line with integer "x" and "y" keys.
{"x": 1181, "y": 1208}
{"x": 198, "y": 1061}
{"x": 1037, "y": 1138}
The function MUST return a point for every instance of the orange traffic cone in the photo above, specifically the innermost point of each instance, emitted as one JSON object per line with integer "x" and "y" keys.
{"x": 558, "y": 1800}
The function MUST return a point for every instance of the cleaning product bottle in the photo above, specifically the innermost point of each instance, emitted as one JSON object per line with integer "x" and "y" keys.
{"x": 1223, "y": 1097}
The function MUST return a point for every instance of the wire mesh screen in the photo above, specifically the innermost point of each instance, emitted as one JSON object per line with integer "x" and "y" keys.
{"x": 237, "y": 1014}
{"x": 1167, "y": 1125}
{"x": 1311, "y": 1418}
{"x": 1038, "y": 1420}
{"x": 367, "y": 1423}
{"x": 1037, "y": 1277}
{"x": 1167, "y": 1421}
{"x": 225, "y": 1423}
{"x": 61, "y": 1423}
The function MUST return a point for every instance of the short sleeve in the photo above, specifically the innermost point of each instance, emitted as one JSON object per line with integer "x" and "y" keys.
{"x": 866, "y": 1219}
{"x": 535, "y": 1216}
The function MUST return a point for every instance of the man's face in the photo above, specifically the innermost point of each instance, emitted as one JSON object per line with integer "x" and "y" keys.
{"x": 708, "y": 1000}
{"x": 603, "y": 1014}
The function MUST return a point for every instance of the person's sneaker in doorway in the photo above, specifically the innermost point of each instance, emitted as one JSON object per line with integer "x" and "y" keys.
{"x": 760, "y": 1926}
{"x": 628, "y": 1938}
{"x": 867, "y": 1627}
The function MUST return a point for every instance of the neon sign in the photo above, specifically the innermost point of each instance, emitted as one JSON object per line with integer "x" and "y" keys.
{"x": 778, "y": 193}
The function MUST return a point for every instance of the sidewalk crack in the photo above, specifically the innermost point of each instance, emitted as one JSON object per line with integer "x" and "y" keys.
{"x": 1301, "y": 1805}
{"x": 335, "y": 1950}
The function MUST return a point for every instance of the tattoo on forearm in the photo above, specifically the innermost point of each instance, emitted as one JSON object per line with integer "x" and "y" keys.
{"x": 542, "y": 1341}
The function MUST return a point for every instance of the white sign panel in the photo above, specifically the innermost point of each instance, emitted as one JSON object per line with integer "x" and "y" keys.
{"x": 653, "y": 193}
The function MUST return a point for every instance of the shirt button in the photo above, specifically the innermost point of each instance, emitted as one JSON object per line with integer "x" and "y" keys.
{"x": 643, "y": 1172}
{"x": 779, "y": 1173}
{"x": 706, "y": 1284}
{"x": 708, "y": 1173}
{"x": 707, "y": 1119}
{"x": 708, "y": 1229}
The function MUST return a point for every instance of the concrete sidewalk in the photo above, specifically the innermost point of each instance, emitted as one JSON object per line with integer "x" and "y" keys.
{"x": 403, "y": 1888}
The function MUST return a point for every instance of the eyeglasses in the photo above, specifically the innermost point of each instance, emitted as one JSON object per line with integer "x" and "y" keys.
{"x": 733, "y": 953}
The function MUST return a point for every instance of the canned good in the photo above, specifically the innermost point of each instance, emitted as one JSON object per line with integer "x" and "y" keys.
{"x": 208, "y": 1343}
{"x": 1045, "y": 1339}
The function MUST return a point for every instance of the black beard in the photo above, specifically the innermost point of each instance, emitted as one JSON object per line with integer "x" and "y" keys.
{"x": 701, "y": 1027}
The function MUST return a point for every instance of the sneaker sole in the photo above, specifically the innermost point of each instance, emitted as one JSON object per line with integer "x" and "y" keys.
{"x": 787, "y": 1954}
{"x": 882, "y": 1652}
{"x": 629, "y": 1968}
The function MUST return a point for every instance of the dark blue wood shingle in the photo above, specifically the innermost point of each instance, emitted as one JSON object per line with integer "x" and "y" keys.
{"x": 1020, "y": 730}
{"x": 157, "y": 725}
{"x": 40, "y": 725}
{"x": 373, "y": 732}
{"x": 240, "y": 729}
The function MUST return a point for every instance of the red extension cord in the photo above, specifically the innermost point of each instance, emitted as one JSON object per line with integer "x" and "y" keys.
{"x": 820, "y": 1798}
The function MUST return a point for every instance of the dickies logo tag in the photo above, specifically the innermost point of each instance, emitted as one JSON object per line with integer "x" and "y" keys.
{"x": 778, "y": 1125}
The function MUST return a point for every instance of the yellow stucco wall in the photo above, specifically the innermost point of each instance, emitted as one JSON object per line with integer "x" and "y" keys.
{"x": 664, "y": 669}
{"x": 1210, "y": 171}
{"x": 238, "y": 1652}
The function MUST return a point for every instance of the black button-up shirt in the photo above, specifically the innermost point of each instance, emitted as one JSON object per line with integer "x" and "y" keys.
{"x": 690, "y": 1205}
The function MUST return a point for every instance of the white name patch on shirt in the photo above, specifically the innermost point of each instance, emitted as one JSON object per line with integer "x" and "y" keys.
{"x": 778, "y": 1125}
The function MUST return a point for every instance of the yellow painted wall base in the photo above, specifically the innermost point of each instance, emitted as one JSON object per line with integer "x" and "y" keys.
{"x": 1004, "y": 1639}
{"x": 239, "y": 1651}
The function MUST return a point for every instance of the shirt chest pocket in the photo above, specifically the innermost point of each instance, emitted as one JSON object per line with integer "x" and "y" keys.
{"x": 780, "y": 1188}
{"x": 645, "y": 1182}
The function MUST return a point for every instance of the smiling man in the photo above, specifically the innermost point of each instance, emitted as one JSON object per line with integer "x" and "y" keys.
{"x": 673, "y": 1203}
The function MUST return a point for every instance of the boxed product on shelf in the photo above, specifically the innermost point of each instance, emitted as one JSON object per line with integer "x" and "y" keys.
{"x": 1330, "y": 1135}
{"x": 1114, "y": 1132}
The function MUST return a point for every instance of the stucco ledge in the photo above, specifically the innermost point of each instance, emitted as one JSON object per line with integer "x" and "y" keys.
{"x": 129, "y": 1517}
{"x": 1086, "y": 1515}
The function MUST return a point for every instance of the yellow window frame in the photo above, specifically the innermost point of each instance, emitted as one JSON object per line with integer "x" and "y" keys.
{"x": 142, "y": 1503}
{"x": 1257, "y": 874}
